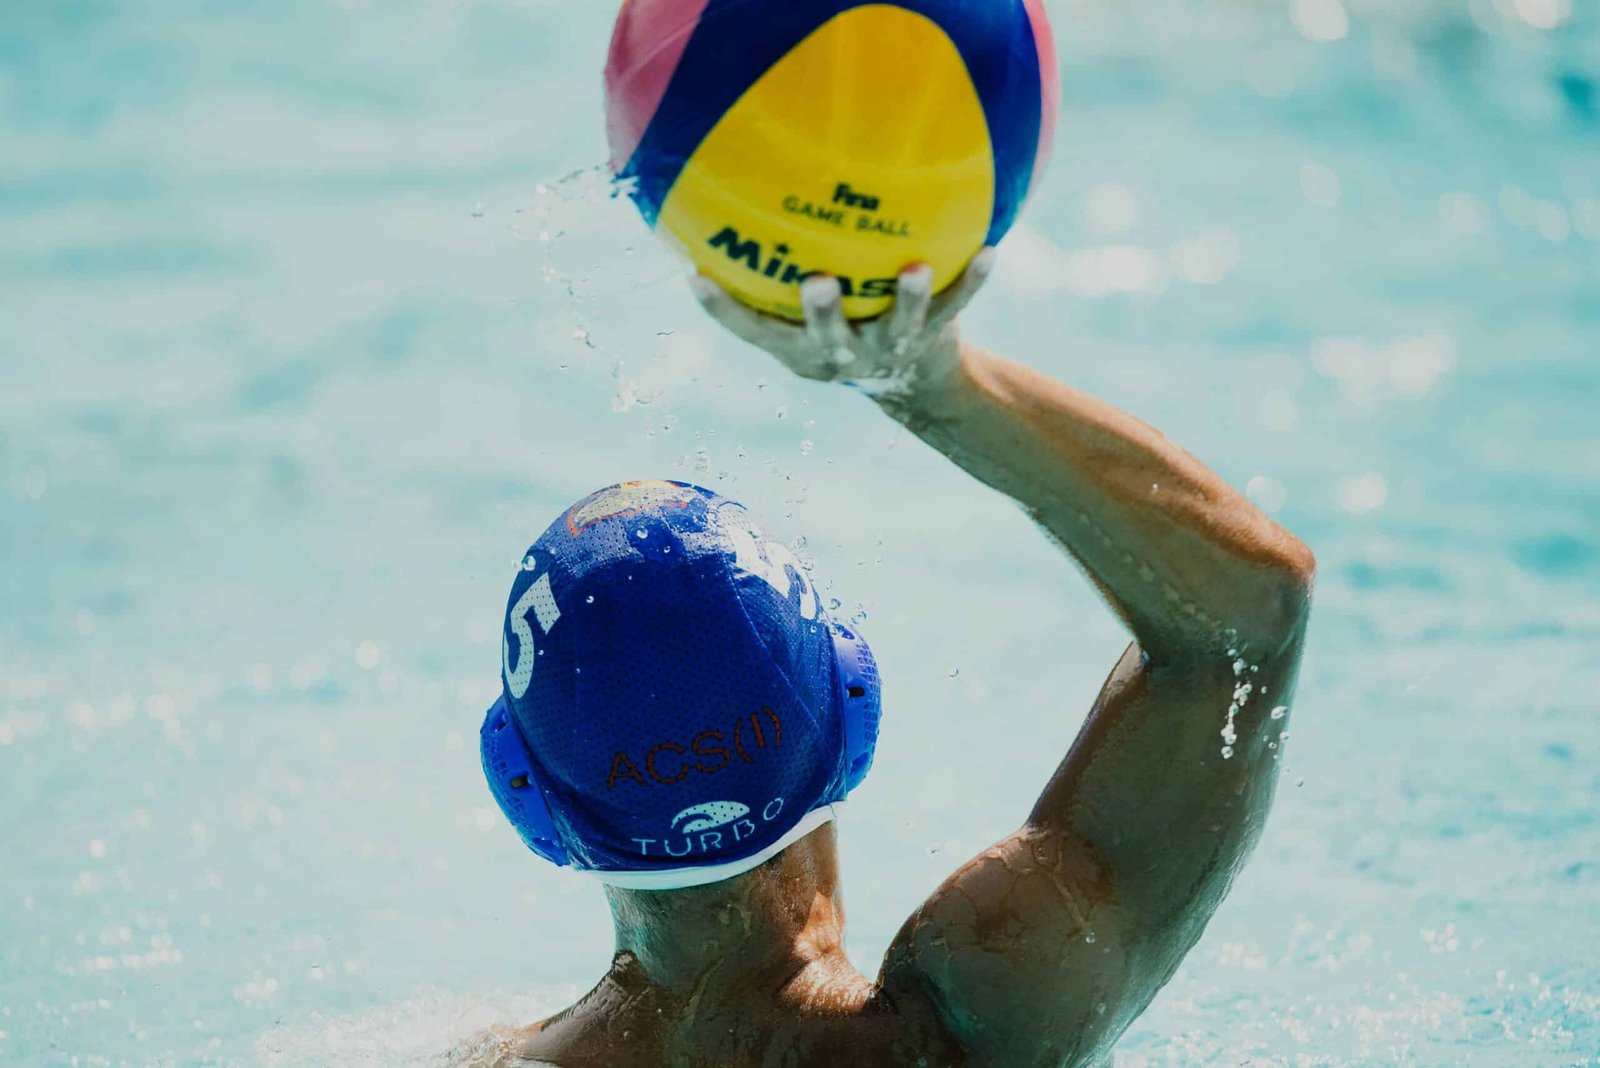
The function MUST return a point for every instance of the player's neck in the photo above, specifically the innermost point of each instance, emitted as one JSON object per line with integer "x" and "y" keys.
{"x": 757, "y": 931}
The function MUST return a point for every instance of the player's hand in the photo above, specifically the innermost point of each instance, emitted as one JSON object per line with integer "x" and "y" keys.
{"x": 914, "y": 343}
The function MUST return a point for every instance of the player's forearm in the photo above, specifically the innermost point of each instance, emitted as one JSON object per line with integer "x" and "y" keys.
{"x": 1189, "y": 563}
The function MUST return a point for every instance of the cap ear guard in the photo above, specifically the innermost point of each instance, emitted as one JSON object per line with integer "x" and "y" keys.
{"x": 509, "y": 768}
{"x": 862, "y": 702}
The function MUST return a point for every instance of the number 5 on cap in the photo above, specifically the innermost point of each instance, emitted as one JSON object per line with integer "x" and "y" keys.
{"x": 542, "y": 603}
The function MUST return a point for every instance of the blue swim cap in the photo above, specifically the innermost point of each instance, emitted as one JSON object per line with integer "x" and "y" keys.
{"x": 677, "y": 707}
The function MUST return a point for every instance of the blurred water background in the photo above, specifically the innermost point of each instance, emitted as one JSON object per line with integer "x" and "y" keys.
{"x": 313, "y": 314}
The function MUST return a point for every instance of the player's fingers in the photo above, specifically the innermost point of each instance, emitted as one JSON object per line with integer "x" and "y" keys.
{"x": 911, "y": 303}
{"x": 829, "y": 330}
{"x": 949, "y": 303}
{"x": 742, "y": 321}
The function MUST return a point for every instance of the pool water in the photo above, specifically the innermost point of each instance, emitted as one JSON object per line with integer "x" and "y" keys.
{"x": 313, "y": 314}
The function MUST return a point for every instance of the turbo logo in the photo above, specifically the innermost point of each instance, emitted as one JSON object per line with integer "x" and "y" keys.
{"x": 708, "y": 823}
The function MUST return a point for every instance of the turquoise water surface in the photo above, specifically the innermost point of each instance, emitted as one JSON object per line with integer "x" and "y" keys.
{"x": 313, "y": 314}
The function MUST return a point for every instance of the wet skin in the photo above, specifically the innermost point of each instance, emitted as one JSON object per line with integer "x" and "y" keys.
{"x": 1042, "y": 949}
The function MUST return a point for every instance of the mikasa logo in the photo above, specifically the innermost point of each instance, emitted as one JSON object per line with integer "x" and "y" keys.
{"x": 707, "y": 827}
{"x": 750, "y": 253}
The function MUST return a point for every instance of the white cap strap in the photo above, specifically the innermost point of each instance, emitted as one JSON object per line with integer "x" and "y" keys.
{"x": 679, "y": 878}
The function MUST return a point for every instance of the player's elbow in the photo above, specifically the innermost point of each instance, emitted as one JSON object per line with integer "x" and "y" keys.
{"x": 1285, "y": 579}
{"x": 1297, "y": 564}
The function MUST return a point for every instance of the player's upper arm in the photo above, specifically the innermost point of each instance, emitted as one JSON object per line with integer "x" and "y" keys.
{"x": 1015, "y": 954}
{"x": 1044, "y": 948}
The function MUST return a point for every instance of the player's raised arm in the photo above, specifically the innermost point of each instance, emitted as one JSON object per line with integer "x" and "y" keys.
{"x": 1043, "y": 949}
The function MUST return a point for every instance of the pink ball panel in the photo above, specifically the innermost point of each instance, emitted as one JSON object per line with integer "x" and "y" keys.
{"x": 1049, "y": 83}
{"x": 645, "y": 49}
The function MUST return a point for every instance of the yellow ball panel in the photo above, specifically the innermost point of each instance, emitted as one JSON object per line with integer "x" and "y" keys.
{"x": 863, "y": 150}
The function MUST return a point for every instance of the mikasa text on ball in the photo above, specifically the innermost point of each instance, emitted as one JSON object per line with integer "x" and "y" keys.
{"x": 771, "y": 139}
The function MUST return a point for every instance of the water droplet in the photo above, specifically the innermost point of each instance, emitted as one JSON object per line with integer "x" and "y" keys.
{"x": 782, "y": 413}
{"x": 477, "y": 211}
{"x": 806, "y": 446}
{"x": 1089, "y": 938}
{"x": 955, "y": 672}
{"x": 641, "y": 533}
{"x": 1280, "y": 712}
{"x": 1227, "y": 752}
{"x": 589, "y": 599}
